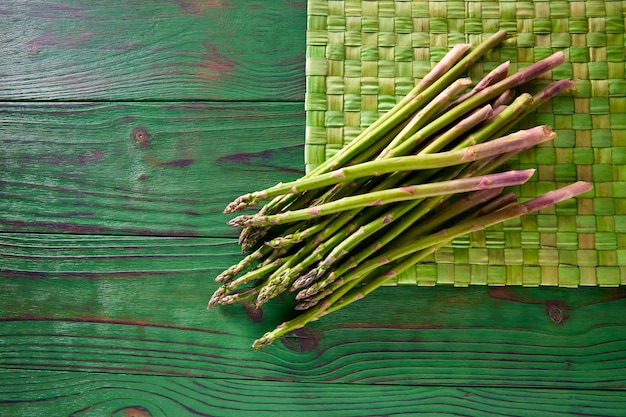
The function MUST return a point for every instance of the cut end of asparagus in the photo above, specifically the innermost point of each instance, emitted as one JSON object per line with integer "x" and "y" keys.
{"x": 556, "y": 196}
{"x": 505, "y": 179}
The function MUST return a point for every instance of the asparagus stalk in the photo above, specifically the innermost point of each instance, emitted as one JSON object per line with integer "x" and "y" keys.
{"x": 299, "y": 236}
{"x": 247, "y": 278}
{"x": 281, "y": 279}
{"x": 494, "y": 127}
{"x": 334, "y": 226}
{"x": 377, "y": 198}
{"x": 505, "y": 98}
{"x": 442, "y": 66}
{"x": 237, "y": 297}
{"x": 557, "y": 87}
{"x": 288, "y": 275}
{"x": 338, "y": 298}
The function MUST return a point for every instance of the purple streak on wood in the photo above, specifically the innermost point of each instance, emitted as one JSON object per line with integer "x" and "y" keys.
{"x": 51, "y": 11}
{"x": 58, "y": 40}
{"x": 255, "y": 313}
{"x": 259, "y": 159}
{"x": 133, "y": 411}
{"x": 199, "y": 6}
{"x": 81, "y": 159}
{"x": 174, "y": 163}
{"x": 302, "y": 340}
{"x": 214, "y": 65}
{"x": 105, "y": 320}
{"x": 83, "y": 229}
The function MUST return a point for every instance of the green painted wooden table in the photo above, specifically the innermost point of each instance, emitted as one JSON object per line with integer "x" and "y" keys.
{"x": 125, "y": 127}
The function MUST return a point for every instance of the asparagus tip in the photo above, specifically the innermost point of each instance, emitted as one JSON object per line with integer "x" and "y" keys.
{"x": 216, "y": 297}
{"x": 240, "y": 221}
{"x": 265, "y": 340}
{"x": 303, "y": 281}
{"x": 224, "y": 276}
{"x": 240, "y": 203}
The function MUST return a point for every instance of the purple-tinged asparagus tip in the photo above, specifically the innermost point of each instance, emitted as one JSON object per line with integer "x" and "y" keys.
{"x": 216, "y": 297}
{"x": 240, "y": 221}
{"x": 240, "y": 203}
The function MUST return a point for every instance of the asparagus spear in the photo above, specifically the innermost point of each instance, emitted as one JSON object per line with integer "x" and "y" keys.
{"x": 246, "y": 262}
{"x": 377, "y": 198}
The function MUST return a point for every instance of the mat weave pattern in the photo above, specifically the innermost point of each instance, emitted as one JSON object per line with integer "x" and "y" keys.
{"x": 363, "y": 56}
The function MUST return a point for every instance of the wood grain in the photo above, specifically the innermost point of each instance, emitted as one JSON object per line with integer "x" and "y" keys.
{"x": 152, "y": 50}
{"x": 80, "y": 394}
{"x": 118, "y": 304}
{"x": 140, "y": 168}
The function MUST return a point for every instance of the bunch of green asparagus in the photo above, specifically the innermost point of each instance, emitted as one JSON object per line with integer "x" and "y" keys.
{"x": 420, "y": 176}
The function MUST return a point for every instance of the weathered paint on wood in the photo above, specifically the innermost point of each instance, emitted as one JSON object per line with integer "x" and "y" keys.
{"x": 152, "y": 50}
{"x": 121, "y": 304}
{"x": 140, "y": 168}
{"x": 81, "y": 394}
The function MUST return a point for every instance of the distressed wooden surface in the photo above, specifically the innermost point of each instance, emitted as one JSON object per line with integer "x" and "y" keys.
{"x": 137, "y": 305}
{"x": 81, "y": 394}
{"x": 152, "y": 50}
{"x": 124, "y": 128}
{"x": 140, "y": 168}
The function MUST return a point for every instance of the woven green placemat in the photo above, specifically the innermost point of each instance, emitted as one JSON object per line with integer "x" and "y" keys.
{"x": 363, "y": 55}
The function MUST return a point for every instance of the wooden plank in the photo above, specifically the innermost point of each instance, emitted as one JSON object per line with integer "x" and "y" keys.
{"x": 140, "y": 168}
{"x": 126, "y": 50}
{"x": 121, "y": 304}
{"x": 35, "y": 394}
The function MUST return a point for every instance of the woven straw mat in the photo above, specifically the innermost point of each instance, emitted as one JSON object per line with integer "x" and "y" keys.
{"x": 363, "y": 56}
